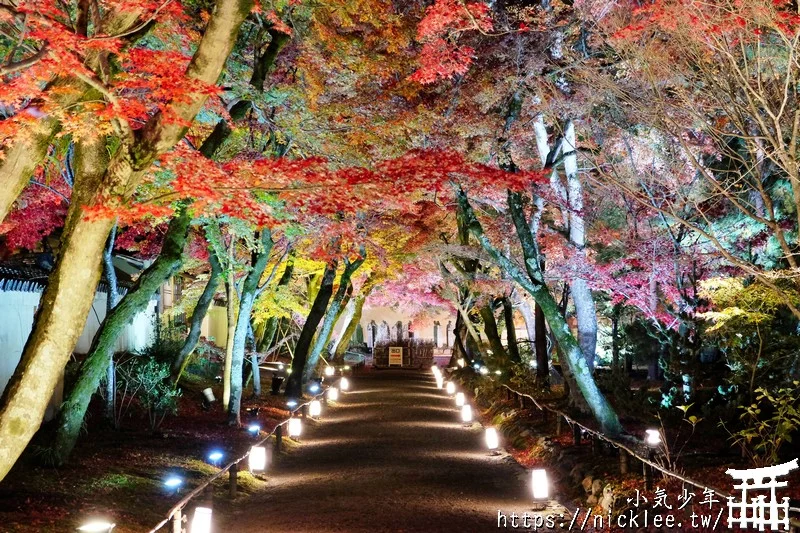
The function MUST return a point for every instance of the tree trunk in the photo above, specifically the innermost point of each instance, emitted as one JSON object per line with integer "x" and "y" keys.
{"x": 294, "y": 386}
{"x": 271, "y": 327}
{"x": 199, "y": 313}
{"x": 68, "y": 297}
{"x": 615, "y": 360}
{"x": 111, "y": 301}
{"x": 540, "y": 345}
{"x": 332, "y": 315}
{"x": 64, "y": 306}
{"x": 349, "y": 331}
{"x": 511, "y": 332}
{"x": 70, "y": 417}
{"x": 346, "y": 320}
{"x": 248, "y": 298}
{"x": 230, "y": 307}
{"x": 534, "y": 284}
{"x": 490, "y": 328}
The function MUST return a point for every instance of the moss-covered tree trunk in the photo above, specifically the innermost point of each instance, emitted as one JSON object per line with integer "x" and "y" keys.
{"x": 230, "y": 313}
{"x": 532, "y": 280}
{"x": 332, "y": 315}
{"x": 199, "y": 313}
{"x": 68, "y": 297}
{"x": 70, "y": 417}
{"x": 246, "y": 301}
{"x": 294, "y": 386}
{"x": 352, "y": 325}
{"x": 112, "y": 296}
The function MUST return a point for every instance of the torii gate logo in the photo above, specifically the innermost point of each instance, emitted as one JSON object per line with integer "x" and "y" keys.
{"x": 760, "y": 512}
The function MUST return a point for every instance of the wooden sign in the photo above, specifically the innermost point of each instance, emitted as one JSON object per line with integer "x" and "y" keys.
{"x": 396, "y": 355}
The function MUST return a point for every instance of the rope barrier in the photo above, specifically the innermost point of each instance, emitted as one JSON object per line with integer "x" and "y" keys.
{"x": 203, "y": 486}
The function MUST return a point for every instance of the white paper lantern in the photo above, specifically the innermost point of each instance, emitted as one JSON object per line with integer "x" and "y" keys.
{"x": 257, "y": 460}
{"x": 333, "y": 394}
{"x": 329, "y": 371}
{"x": 460, "y": 400}
{"x": 315, "y": 408}
{"x": 539, "y": 484}
{"x": 466, "y": 413}
{"x": 451, "y": 388}
{"x": 344, "y": 384}
{"x": 492, "y": 440}
{"x": 201, "y": 521}
{"x": 295, "y": 427}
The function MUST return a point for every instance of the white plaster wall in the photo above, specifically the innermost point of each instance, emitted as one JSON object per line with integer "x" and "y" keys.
{"x": 16, "y": 321}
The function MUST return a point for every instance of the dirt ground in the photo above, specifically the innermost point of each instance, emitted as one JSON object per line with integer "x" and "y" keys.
{"x": 392, "y": 455}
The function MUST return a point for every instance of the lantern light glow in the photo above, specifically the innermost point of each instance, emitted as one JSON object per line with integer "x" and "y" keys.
{"x": 201, "y": 521}
{"x": 215, "y": 457}
{"x": 451, "y": 388}
{"x": 460, "y": 400}
{"x": 333, "y": 394}
{"x": 173, "y": 482}
{"x": 315, "y": 408}
{"x": 314, "y": 387}
{"x": 492, "y": 440}
{"x": 329, "y": 371}
{"x": 295, "y": 427}
{"x": 539, "y": 484}
{"x": 466, "y": 413}
{"x": 254, "y": 429}
{"x": 257, "y": 460}
{"x": 653, "y": 437}
{"x": 461, "y": 362}
{"x": 344, "y": 384}
{"x": 484, "y": 371}
{"x": 97, "y": 526}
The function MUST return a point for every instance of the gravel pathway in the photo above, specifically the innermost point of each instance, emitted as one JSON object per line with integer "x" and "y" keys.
{"x": 392, "y": 455}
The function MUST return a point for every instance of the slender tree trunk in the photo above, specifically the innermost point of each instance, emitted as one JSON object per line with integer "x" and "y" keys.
{"x": 332, "y": 315}
{"x": 199, "y": 313}
{"x": 70, "y": 417}
{"x": 294, "y": 386}
{"x": 615, "y": 359}
{"x": 327, "y": 344}
{"x": 511, "y": 332}
{"x": 349, "y": 331}
{"x": 230, "y": 296}
{"x": 540, "y": 344}
{"x": 111, "y": 302}
{"x": 271, "y": 327}
{"x": 346, "y": 319}
{"x": 492, "y": 335}
{"x": 534, "y": 284}
{"x": 248, "y": 298}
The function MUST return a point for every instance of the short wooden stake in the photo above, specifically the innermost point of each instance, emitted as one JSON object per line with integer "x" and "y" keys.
{"x": 233, "y": 473}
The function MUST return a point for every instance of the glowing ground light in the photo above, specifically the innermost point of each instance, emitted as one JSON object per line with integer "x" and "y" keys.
{"x": 314, "y": 387}
{"x": 315, "y": 408}
{"x": 439, "y": 381}
{"x": 498, "y": 372}
{"x": 97, "y": 526}
{"x": 653, "y": 437}
{"x": 466, "y": 413}
{"x": 295, "y": 427}
{"x": 257, "y": 460}
{"x": 492, "y": 440}
{"x": 173, "y": 482}
{"x": 451, "y": 388}
{"x": 215, "y": 457}
{"x": 539, "y": 484}
{"x": 344, "y": 384}
{"x": 484, "y": 371}
{"x": 201, "y": 521}
{"x": 460, "y": 399}
{"x": 254, "y": 429}
{"x": 329, "y": 371}
{"x": 291, "y": 403}
{"x": 333, "y": 394}
{"x": 461, "y": 362}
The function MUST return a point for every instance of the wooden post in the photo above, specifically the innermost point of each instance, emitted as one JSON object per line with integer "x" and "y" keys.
{"x": 304, "y": 411}
{"x": 576, "y": 434}
{"x": 647, "y": 471}
{"x": 177, "y": 522}
{"x": 593, "y": 443}
{"x": 278, "y": 438}
{"x": 232, "y": 472}
{"x": 623, "y": 461}
{"x": 559, "y": 418}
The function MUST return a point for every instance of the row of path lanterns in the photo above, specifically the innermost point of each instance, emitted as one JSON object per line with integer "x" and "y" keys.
{"x": 259, "y": 458}
{"x": 540, "y": 486}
